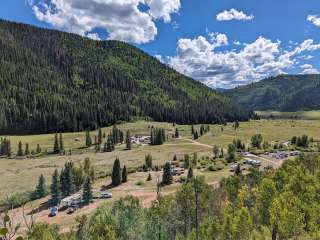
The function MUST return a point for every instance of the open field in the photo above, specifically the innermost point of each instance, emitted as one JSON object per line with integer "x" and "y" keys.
{"x": 271, "y": 130}
{"x": 302, "y": 115}
{"x": 17, "y": 175}
{"x": 20, "y": 175}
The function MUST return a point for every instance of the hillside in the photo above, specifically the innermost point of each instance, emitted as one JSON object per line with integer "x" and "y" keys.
{"x": 282, "y": 93}
{"x": 55, "y": 81}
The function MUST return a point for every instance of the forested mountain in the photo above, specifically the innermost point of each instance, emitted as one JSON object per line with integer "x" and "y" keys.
{"x": 283, "y": 93}
{"x": 54, "y": 81}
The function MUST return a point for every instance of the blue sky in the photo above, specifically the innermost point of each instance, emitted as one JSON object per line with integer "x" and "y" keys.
{"x": 222, "y": 43}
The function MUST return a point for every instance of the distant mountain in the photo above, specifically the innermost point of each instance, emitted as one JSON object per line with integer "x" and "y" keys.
{"x": 54, "y": 81}
{"x": 282, "y": 93}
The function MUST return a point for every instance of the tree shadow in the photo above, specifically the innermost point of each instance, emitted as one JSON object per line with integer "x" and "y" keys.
{"x": 43, "y": 206}
{"x": 107, "y": 187}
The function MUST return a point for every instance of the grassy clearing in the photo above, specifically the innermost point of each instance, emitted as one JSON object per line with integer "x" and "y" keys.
{"x": 271, "y": 130}
{"x": 21, "y": 175}
{"x": 304, "y": 115}
{"x": 70, "y": 139}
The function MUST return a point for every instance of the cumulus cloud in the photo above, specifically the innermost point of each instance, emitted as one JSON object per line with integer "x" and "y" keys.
{"x": 308, "y": 69}
{"x": 199, "y": 58}
{"x": 233, "y": 14}
{"x": 162, "y": 9}
{"x": 122, "y": 19}
{"x": 314, "y": 19}
{"x": 219, "y": 39}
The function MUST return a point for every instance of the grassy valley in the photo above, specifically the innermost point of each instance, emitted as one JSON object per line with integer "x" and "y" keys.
{"x": 20, "y": 174}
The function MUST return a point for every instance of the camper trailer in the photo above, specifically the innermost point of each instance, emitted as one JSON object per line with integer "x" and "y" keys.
{"x": 73, "y": 200}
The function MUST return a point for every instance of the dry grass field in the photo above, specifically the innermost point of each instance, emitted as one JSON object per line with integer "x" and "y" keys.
{"x": 302, "y": 115}
{"x": 20, "y": 175}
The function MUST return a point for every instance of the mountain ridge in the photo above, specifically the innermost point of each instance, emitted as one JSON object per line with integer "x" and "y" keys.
{"x": 280, "y": 93}
{"x": 56, "y": 81}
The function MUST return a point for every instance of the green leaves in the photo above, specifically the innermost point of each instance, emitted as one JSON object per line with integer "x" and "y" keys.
{"x": 3, "y": 231}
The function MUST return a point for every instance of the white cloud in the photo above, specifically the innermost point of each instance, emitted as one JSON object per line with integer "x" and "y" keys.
{"x": 159, "y": 57}
{"x": 237, "y": 43}
{"x": 162, "y": 9}
{"x": 199, "y": 58}
{"x": 122, "y": 19}
{"x": 218, "y": 39}
{"x": 308, "y": 69}
{"x": 233, "y": 14}
{"x": 315, "y": 19}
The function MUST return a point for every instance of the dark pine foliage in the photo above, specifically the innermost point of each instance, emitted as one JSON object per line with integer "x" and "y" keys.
{"x": 5, "y": 147}
{"x": 52, "y": 81}
{"x": 284, "y": 93}
{"x": 116, "y": 173}
{"x": 158, "y": 136}
{"x": 167, "y": 174}
{"x": 124, "y": 174}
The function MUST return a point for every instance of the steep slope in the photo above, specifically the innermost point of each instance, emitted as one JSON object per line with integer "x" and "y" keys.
{"x": 283, "y": 93}
{"x": 55, "y": 81}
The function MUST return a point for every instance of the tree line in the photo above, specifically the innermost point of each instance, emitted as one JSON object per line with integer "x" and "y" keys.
{"x": 57, "y": 82}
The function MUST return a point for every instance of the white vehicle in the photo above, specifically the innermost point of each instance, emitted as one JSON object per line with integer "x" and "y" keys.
{"x": 72, "y": 200}
{"x": 252, "y": 162}
{"x": 105, "y": 195}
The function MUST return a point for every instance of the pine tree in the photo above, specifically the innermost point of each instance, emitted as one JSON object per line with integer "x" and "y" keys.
{"x": 175, "y": 158}
{"x": 116, "y": 173}
{"x": 195, "y": 135}
{"x": 20, "y": 150}
{"x": 167, "y": 174}
{"x": 110, "y": 145}
{"x": 190, "y": 174}
{"x": 105, "y": 147}
{"x": 56, "y": 148}
{"x": 87, "y": 191}
{"x": 128, "y": 141}
{"x": 67, "y": 180}
{"x": 99, "y": 136}
{"x": 176, "y": 134}
{"x": 41, "y": 188}
{"x": 149, "y": 177}
{"x": 201, "y": 130}
{"x": 86, "y": 167}
{"x": 55, "y": 189}
{"x": 61, "y": 145}
{"x": 88, "y": 139}
{"x": 237, "y": 170}
{"x": 38, "y": 149}
{"x": 148, "y": 161}
{"x": 27, "y": 151}
{"x": 124, "y": 174}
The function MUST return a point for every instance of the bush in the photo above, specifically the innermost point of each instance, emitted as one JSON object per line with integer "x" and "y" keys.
{"x": 182, "y": 179}
{"x": 214, "y": 168}
{"x": 140, "y": 183}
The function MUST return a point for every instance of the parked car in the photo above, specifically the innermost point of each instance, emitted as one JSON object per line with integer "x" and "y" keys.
{"x": 105, "y": 195}
{"x": 71, "y": 210}
{"x": 53, "y": 212}
{"x": 233, "y": 167}
{"x": 252, "y": 162}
